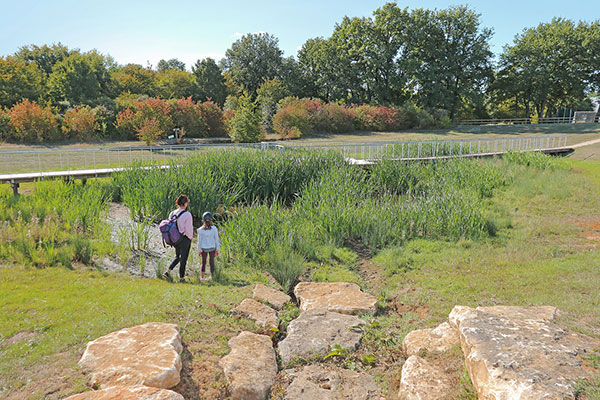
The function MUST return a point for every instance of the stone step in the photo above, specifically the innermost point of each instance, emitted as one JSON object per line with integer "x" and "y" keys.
{"x": 341, "y": 297}
{"x": 520, "y": 358}
{"x": 424, "y": 380}
{"x": 316, "y": 331}
{"x": 261, "y": 314}
{"x": 250, "y": 367}
{"x": 128, "y": 393}
{"x": 331, "y": 383}
{"x": 275, "y": 298}
{"x": 146, "y": 355}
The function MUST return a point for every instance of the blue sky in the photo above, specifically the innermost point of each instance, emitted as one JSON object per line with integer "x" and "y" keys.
{"x": 146, "y": 31}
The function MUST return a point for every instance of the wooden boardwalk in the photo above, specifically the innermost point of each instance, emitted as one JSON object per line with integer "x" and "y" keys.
{"x": 16, "y": 179}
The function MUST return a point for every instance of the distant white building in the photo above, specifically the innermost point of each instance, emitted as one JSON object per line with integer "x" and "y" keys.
{"x": 595, "y": 103}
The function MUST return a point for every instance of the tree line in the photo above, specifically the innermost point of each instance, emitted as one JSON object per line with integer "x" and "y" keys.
{"x": 432, "y": 59}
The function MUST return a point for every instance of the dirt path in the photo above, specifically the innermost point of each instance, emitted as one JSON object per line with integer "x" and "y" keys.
{"x": 588, "y": 143}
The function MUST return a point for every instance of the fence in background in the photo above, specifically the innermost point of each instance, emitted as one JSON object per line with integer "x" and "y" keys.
{"x": 12, "y": 162}
{"x": 525, "y": 121}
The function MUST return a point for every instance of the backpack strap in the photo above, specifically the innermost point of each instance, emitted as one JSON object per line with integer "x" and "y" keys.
{"x": 180, "y": 214}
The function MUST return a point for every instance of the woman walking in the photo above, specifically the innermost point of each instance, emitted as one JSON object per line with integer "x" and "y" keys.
{"x": 208, "y": 243}
{"x": 186, "y": 228}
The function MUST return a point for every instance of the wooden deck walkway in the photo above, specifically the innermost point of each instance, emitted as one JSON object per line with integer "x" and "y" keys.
{"x": 16, "y": 179}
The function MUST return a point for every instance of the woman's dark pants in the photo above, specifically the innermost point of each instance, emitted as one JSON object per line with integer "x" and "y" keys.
{"x": 182, "y": 251}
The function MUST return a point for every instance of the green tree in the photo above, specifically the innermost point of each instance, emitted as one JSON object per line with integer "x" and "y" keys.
{"x": 175, "y": 84}
{"x": 453, "y": 62}
{"x": 318, "y": 60}
{"x": 173, "y": 63}
{"x": 80, "y": 78}
{"x": 268, "y": 95}
{"x": 245, "y": 126}
{"x": 19, "y": 80}
{"x": 133, "y": 78}
{"x": 252, "y": 59}
{"x": 210, "y": 81}
{"x": 44, "y": 56}
{"x": 548, "y": 66}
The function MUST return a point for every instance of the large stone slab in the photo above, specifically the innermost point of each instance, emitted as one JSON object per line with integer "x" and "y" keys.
{"x": 520, "y": 359}
{"x": 250, "y": 367}
{"x": 146, "y": 354}
{"x": 128, "y": 393}
{"x": 439, "y": 339}
{"x": 261, "y": 314}
{"x": 316, "y": 331}
{"x": 423, "y": 380}
{"x": 273, "y": 297}
{"x": 525, "y": 313}
{"x": 318, "y": 382}
{"x": 341, "y": 297}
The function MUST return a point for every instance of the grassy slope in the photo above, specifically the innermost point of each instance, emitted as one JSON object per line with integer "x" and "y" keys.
{"x": 549, "y": 256}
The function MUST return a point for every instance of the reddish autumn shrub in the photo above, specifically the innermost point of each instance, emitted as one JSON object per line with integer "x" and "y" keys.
{"x": 129, "y": 121}
{"x": 335, "y": 118}
{"x": 149, "y": 130}
{"x": 80, "y": 122}
{"x": 292, "y": 121}
{"x": 127, "y": 124}
{"x": 214, "y": 118}
{"x": 372, "y": 118}
{"x": 187, "y": 114}
{"x": 157, "y": 109}
{"x": 33, "y": 123}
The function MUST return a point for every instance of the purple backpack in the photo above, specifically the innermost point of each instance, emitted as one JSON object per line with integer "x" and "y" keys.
{"x": 169, "y": 230}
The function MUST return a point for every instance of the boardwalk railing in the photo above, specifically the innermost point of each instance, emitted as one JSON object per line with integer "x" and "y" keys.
{"x": 440, "y": 148}
{"x": 523, "y": 121}
{"x": 94, "y": 158}
{"x": 45, "y": 161}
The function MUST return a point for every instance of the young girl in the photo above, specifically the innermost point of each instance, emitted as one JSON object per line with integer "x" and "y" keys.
{"x": 186, "y": 227}
{"x": 208, "y": 243}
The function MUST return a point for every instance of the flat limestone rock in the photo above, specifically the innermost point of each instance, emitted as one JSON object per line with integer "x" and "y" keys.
{"x": 422, "y": 380}
{"x": 250, "y": 367}
{"x": 316, "y": 382}
{"x": 341, "y": 297}
{"x": 273, "y": 297}
{"x": 146, "y": 354}
{"x": 520, "y": 359}
{"x": 316, "y": 331}
{"x": 439, "y": 339}
{"x": 531, "y": 313}
{"x": 128, "y": 393}
{"x": 262, "y": 315}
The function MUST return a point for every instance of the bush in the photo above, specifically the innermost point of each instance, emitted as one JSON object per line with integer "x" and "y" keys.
{"x": 214, "y": 119}
{"x": 126, "y": 124}
{"x": 149, "y": 131}
{"x": 80, "y": 123}
{"x": 131, "y": 121}
{"x": 292, "y": 121}
{"x": 245, "y": 125}
{"x": 187, "y": 114}
{"x": 380, "y": 118}
{"x": 297, "y": 117}
{"x": 335, "y": 118}
{"x": 33, "y": 123}
{"x": 6, "y": 131}
{"x": 156, "y": 109}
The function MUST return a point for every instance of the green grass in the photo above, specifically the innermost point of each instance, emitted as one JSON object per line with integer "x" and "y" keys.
{"x": 65, "y": 309}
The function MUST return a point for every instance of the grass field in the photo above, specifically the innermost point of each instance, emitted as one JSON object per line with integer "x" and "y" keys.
{"x": 546, "y": 251}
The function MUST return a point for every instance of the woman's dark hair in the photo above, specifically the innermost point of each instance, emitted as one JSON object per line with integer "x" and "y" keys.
{"x": 181, "y": 200}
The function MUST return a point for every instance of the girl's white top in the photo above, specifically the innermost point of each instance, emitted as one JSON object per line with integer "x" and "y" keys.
{"x": 208, "y": 238}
